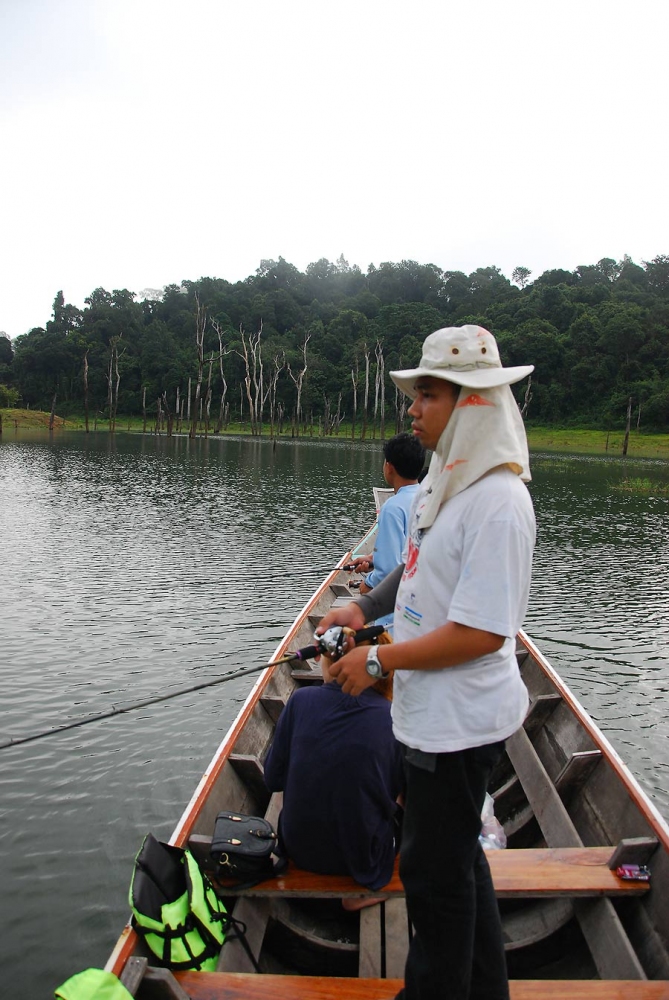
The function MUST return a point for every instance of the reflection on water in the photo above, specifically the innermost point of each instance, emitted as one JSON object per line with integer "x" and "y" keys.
{"x": 138, "y": 565}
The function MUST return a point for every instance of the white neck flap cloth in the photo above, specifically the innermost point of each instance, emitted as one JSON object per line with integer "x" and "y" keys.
{"x": 485, "y": 431}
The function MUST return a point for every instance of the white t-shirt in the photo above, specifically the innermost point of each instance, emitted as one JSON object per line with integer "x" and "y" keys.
{"x": 473, "y": 567}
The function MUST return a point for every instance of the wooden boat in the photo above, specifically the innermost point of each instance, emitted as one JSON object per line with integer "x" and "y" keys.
{"x": 571, "y": 812}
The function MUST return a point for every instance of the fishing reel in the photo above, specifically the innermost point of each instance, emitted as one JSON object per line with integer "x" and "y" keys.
{"x": 333, "y": 642}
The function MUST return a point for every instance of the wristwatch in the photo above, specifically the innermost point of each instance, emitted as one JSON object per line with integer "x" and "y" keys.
{"x": 373, "y": 665}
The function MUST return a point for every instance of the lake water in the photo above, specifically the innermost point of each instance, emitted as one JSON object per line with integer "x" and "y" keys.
{"x": 133, "y": 566}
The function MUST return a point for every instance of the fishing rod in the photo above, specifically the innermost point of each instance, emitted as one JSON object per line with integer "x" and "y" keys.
{"x": 332, "y": 643}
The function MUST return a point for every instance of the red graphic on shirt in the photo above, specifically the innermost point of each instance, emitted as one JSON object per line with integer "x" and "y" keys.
{"x": 458, "y": 461}
{"x": 411, "y": 561}
{"x": 473, "y": 400}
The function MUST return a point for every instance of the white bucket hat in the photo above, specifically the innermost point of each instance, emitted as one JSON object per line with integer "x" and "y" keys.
{"x": 466, "y": 355}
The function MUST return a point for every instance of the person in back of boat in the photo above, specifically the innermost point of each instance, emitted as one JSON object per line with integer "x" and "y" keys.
{"x": 339, "y": 767}
{"x": 459, "y": 601}
{"x": 403, "y": 457}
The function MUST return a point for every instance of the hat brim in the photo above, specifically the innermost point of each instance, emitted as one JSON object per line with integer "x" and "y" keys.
{"x": 477, "y": 378}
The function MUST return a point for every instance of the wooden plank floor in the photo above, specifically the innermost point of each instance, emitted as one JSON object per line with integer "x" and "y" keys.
{"x": 573, "y": 871}
{"x": 226, "y": 986}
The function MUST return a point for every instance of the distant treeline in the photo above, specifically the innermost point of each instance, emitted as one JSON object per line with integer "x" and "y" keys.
{"x": 287, "y": 349}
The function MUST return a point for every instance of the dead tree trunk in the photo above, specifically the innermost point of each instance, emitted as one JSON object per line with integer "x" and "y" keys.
{"x": 86, "y": 390}
{"x": 528, "y": 397}
{"x": 627, "y": 428}
{"x": 355, "y": 378}
{"x": 207, "y": 397}
{"x": 113, "y": 381}
{"x": 339, "y": 416}
{"x": 200, "y": 327}
{"x": 299, "y": 382}
{"x": 222, "y": 351}
{"x": 400, "y": 410}
{"x": 52, "y": 415}
{"x": 258, "y": 391}
{"x": 244, "y": 355}
{"x": 380, "y": 389}
{"x": 366, "y": 396}
{"x": 271, "y": 390}
{"x": 169, "y": 419}
{"x": 326, "y": 416}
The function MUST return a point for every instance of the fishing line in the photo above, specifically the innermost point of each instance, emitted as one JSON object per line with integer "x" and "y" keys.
{"x": 321, "y": 645}
{"x": 230, "y": 675}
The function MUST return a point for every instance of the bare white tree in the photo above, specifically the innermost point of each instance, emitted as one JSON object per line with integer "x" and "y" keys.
{"x": 355, "y": 379}
{"x": 200, "y": 328}
{"x": 365, "y": 406}
{"x": 113, "y": 380}
{"x": 299, "y": 382}
{"x": 270, "y": 392}
{"x": 222, "y": 351}
{"x": 400, "y": 410}
{"x": 251, "y": 355}
{"x": 380, "y": 389}
{"x": 528, "y": 397}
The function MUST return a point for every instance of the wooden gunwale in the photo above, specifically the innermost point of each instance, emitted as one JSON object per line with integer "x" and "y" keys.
{"x": 634, "y": 790}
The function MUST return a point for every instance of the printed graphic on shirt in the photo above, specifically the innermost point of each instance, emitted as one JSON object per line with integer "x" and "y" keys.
{"x": 412, "y": 615}
{"x": 413, "y": 544}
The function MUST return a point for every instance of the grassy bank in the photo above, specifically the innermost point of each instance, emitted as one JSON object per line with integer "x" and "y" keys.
{"x": 598, "y": 442}
{"x": 585, "y": 442}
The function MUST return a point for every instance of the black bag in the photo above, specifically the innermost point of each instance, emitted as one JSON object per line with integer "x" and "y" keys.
{"x": 241, "y": 849}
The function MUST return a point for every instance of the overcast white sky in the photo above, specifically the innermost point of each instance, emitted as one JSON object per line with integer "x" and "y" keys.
{"x": 144, "y": 142}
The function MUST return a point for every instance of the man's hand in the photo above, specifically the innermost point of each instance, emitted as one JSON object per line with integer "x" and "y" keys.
{"x": 350, "y": 671}
{"x": 350, "y": 615}
{"x": 363, "y": 564}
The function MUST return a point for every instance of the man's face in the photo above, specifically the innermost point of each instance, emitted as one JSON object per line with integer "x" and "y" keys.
{"x": 432, "y": 408}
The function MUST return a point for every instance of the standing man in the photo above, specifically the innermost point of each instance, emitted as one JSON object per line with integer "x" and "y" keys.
{"x": 403, "y": 456}
{"x": 458, "y": 602}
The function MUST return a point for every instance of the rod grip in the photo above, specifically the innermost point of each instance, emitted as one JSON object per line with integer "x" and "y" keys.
{"x": 371, "y": 632}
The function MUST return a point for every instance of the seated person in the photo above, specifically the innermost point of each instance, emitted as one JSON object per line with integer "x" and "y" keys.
{"x": 403, "y": 462}
{"x": 339, "y": 767}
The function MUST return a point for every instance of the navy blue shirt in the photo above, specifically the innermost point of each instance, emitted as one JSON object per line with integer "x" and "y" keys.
{"x": 339, "y": 767}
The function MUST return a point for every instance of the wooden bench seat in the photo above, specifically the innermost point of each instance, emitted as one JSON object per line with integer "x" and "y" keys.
{"x": 240, "y": 986}
{"x": 533, "y": 872}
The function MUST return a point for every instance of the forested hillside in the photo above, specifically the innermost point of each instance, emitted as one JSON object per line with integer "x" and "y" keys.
{"x": 286, "y": 348}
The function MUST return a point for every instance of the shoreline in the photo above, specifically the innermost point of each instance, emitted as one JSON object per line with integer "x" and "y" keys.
{"x": 548, "y": 439}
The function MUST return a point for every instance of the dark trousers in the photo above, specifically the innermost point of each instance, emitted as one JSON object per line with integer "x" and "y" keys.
{"x": 456, "y": 952}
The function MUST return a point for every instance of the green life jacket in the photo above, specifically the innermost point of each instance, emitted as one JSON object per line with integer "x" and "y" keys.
{"x": 175, "y": 907}
{"x": 93, "y": 984}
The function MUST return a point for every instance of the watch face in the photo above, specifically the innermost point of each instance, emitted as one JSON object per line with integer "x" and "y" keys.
{"x": 373, "y": 665}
